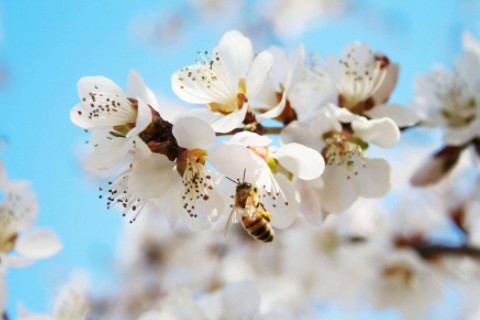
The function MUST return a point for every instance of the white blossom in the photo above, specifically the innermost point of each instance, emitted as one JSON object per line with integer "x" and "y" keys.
{"x": 449, "y": 99}
{"x": 225, "y": 80}
{"x": 268, "y": 169}
{"x": 342, "y": 138}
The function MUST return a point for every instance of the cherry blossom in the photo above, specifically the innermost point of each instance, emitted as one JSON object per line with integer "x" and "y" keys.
{"x": 342, "y": 138}
{"x": 224, "y": 80}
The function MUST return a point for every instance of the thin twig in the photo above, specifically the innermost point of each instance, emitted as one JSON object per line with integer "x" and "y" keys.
{"x": 5, "y": 316}
{"x": 265, "y": 130}
{"x": 431, "y": 251}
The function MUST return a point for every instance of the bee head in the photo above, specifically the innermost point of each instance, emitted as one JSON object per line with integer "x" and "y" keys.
{"x": 244, "y": 186}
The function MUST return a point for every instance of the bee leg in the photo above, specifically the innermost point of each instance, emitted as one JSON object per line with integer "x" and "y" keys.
{"x": 266, "y": 215}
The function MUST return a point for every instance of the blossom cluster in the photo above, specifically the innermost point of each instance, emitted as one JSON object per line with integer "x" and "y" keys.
{"x": 330, "y": 112}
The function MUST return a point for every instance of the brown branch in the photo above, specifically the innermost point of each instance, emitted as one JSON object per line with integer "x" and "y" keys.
{"x": 432, "y": 251}
{"x": 5, "y": 316}
{"x": 263, "y": 130}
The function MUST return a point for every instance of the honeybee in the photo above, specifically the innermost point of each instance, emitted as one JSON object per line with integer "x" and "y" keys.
{"x": 248, "y": 208}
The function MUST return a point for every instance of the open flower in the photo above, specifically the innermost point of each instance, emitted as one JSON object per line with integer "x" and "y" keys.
{"x": 364, "y": 81}
{"x": 70, "y": 304}
{"x": 450, "y": 99}
{"x": 224, "y": 80}
{"x": 115, "y": 118}
{"x": 269, "y": 169}
{"x": 18, "y": 211}
{"x": 184, "y": 187}
{"x": 273, "y": 98}
{"x": 343, "y": 137}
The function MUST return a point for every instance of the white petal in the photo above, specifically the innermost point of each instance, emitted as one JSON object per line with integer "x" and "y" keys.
{"x": 232, "y": 160}
{"x": 15, "y": 261}
{"x": 382, "y": 132}
{"x": 144, "y": 118}
{"x": 403, "y": 117}
{"x": 150, "y": 177}
{"x": 460, "y": 136}
{"x": 110, "y": 153}
{"x": 169, "y": 203}
{"x": 383, "y": 93}
{"x": 189, "y": 90}
{"x": 280, "y": 65}
{"x": 470, "y": 43}
{"x": 250, "y": 139}
{"x": 231, "y": 121}
{"x": 257, "y": 73}
{"x": 87, "y": 85}
{"x": 301, "y": 132}
{"x": 276, "y": 111}
{"x": 468, "y": 67}
{"x": 310, "y": 204}
{"x": 286, "y": 204}
{"x": 374, "y": 180}
{"x": 240, "y": 300}
{"x": 237, "y": 52}
{"x": 207, "y": 212}
{"x": 339, "y": 192}
{"x": 201, "y": 113}
{"x": 296, "y": 69}
{"x": 340, "y": 114}
{"x": 305, "y": 163}
{"x": 38, "y": 243}
{"x": 136, "y": 87}
{"x": 193, "y": 133}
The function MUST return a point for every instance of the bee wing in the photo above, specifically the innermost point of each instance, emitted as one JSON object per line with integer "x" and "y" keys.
{"x": 232, "y": 218}
{"x": 250, "y": 206}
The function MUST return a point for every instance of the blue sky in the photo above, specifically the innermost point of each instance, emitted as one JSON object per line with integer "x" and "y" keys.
{"x": 49, "y": 45}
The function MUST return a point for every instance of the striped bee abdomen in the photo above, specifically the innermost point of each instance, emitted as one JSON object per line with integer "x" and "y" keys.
{"x": 258, "y": 227}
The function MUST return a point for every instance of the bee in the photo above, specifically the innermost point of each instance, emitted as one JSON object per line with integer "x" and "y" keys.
{"x": 255, "y": 218}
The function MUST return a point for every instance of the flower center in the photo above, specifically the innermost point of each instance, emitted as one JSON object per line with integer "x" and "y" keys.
{"x": 399, "y": 275}
{"x": 211, "y": 76}
{"x": 109, "y": 108}
{"x": 343, "y": 149}
{"x": 117, "y": 193}
{"x": 458, "y": 106}
{"x": 360, "y": 79}
{"x": 196, "y": 183}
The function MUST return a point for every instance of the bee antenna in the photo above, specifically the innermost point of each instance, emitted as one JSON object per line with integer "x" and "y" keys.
{"x": 244, "y": 171}
{"x": 232, "y": 180}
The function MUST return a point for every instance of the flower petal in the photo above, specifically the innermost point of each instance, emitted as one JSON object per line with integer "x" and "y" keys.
{"x": 460, "y": 136}
{"x": 193, "y": 133}
{"x": 310, "y": 204}
{"x": 250, "y": 139}
{"x": 150, "y": 177}
{"x": 305, "y": 163}
{"x": 339, "y": 192}
{"x": 286, "y": 204}
{"x": 373, "y": 180}
{"x": 257, "y": 73}
{"x": 206, "y": 212}
{"x": 144, "y": 118}
{"x": 110, "y": 153}
{"x": 382, "y": 132}
{"x": 232, "y": 160}
{"x": 231, "y": 121}
{"x": 237, "y": 52}
{"x": 403, "y": 117}
{"x": 15, "y": 261}
{"x": 136, "y": 87}
{"x": 38, "y": 243}
{"x": 301, "y": 132}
